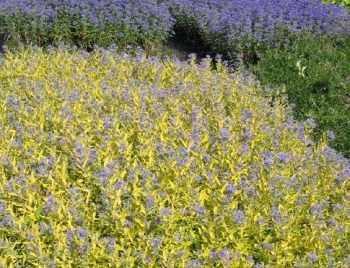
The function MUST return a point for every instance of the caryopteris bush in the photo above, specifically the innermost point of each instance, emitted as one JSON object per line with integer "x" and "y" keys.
{"x": 110, "y": 160}
{"x": 255, "y": 25}
{"x": 86, "y": 22}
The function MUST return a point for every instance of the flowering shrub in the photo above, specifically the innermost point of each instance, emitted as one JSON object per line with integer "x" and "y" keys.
{"x": 256, "y": 24}
{"x": 86, "y": 22}
{"x": 109, "y": 160}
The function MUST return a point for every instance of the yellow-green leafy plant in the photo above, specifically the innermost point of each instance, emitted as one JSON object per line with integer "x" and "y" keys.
{"x": 109, "y": 160}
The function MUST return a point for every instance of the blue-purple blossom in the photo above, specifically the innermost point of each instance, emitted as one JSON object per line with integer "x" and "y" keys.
{"x": 84, "y": 248}
{"x": 30, "y": 236}
{"x": 93, "y": 156}
{"x": 245, "y": 148}
{"x": 225, "y": 133}
{"x": 119, "y": 185}
{"x": 246, "y": 114}
{"x": 195, "y": 114}
{"x": 180, "y": 253}
{"x": 310, "y": 122}
{"x": 186, "y": 212}
{"x": 239, "y": 217}
{"x": 111, "y": 241}
{"x": 48, "y": 205}
{"x": 316, "y": 210}
{"x": 268, "y": 246}
{"x": 261, "y": 220}
{"x": 276, "y": 215}
{"x": 69, "y": 236}
{"x": 194, "y": 263}
{"x": 166, "y": 211}
{"x": 82, "y": 234}
{"x": 199, "y": 209}
{"x": 346, "y": 262}
{"x": 3, "y": 206}
{"x": 231, "y": 189}
{"x": 156, "y": 241}
{"x": 223, "y": 253}
{"x": 247, "y": 134}
{"x": 313, "y": 257}
{"x": 128, "y": 222}
{"x": 283, "y": 157}
{"x": 122, "y": 146}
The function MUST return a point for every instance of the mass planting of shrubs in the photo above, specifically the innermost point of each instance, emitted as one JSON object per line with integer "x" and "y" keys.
{"x": 117, "y": 159}
{"x": 232, "y": 26}
{"x": 223, "y": 24}
{"x": 86, "y": 23}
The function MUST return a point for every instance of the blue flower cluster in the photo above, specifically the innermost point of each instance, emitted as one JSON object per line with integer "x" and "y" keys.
{"x": 230, "y": 24}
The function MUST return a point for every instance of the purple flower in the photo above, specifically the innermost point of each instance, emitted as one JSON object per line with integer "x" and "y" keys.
{"x": 82, "y": 234}
{"x": 313, "y": 257}
{"x": 246, "y": 114}
{"x": 231, "y": 189}
{"x": 214, "y": 255}
{"x": 275, "y": 142}
{"x": 111, "y": 241}
{"x": 163, "y": 194}
{"x": 283, "y": 157}
{"x": 93, "y": 156}
{"x": 268, "y": 246}
{"x": 239, "y": 217}
{"x": 199, "y": 209}
{"x": 195, "y": 114}
{"x": 83, "y": 249}
{"x": 119, "y": 35}
{"x": 261, "y": 220}
{"x": 159, "y": 220}
{"x": 156, "y": 242}
{"x": 310, "y": 122}
{"x": 119, "y": 184}
{"x": 245, "y": 148}
{"x": 276, "y": 215}
{"x": 338, "y": 207}
{"x": 186, "y": 212}
{"x": 48, "y": 205}
{"x": 128, "y": 222}
{"x": 223, "y": 253}
{"x": 181, "y": 253}
{"x": 30, "y": 236}
{"x": 194, "y": 263}
{"x": 166, "y": 212}
{"x": 316, "y": 210}
{"x": 225, "y": 133}
{"x": 346, "y": 261}
{"x": 69, "y": 236}
{"x": 247, "y": 134}
{"x": 3, "y": 206}
{"x": 122, "y": 146}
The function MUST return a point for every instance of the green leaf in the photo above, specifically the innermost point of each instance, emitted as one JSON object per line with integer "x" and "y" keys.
{"x": 38, "y": 212}
{"x": 28, "y": 220}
